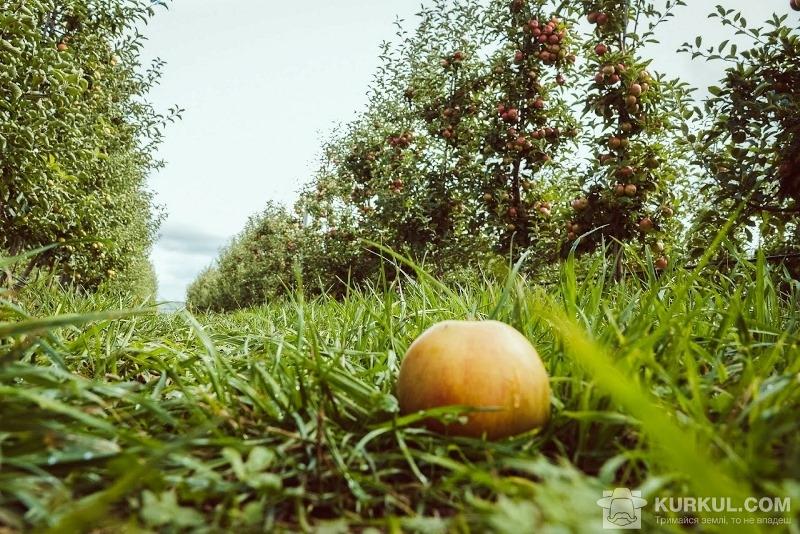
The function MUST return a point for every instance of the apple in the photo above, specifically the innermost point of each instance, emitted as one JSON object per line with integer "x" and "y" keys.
{"x": 580, "y": 204}
{"x": 458, "y": 56}
{"x": 614, "y": 143}
{"x": 635, "y": 89}
{"x": 600, "y": 49}
{"x": 487, "y": 197}
{"x": 630, "y": 190}
{"x": 62, "y": 47}
{"x": 512, "y": 212}
{"x": 602, "y": 19}
{"x": 794, "y": 4}
{"x": 519, "y": 56}
{"x": 538, "y": 103}
{"x": 592, "y": 17}
{"x": 619, "y": 190}
{"x": 625, "y": 172}
{"x": 646, "y": 225}
{"x": 667, "y": 212}
{"x": 485, "y": 365}
{"x": 661, "y": 263}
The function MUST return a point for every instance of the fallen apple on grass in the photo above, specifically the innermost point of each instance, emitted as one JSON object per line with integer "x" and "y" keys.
{"x": 485, "y": 365}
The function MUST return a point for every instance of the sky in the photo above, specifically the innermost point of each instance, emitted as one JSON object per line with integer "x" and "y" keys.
{"x": 263, "y": 82}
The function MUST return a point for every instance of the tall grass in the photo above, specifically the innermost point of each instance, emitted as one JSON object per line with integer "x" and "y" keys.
{"x": 283, "y": 417}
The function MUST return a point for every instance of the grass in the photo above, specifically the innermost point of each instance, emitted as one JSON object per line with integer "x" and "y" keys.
{"x": 283, "y": 417}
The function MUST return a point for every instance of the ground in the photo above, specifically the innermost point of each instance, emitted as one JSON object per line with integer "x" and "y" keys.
{"x": 284, "y": 417}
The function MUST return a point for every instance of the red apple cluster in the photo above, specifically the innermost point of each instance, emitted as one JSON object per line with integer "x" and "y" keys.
{"x": 454, "y": 60}
{"x": 508, "y": 114}
{"x": 548, "y": 39}
{"x": 598, "y": 17}
{"x": 401, "y": 141}
{"x": 573, "y": 230}
{"x": 609, "y": 74}
{"x": 544, "y": 208}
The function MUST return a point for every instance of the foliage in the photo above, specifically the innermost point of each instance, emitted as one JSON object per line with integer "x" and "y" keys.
{"x": 464, "y": 155}
{"x": 750, "y": 149}
{"x": 450, "y": 162}
{"x": 258, "y": 264}
{"x": 77, "y": 138}
{"x": 631, "y": 191}
{"x": 284, "y": 418}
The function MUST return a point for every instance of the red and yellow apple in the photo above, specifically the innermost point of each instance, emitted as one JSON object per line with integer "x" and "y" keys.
{"x": 485, "y": 365}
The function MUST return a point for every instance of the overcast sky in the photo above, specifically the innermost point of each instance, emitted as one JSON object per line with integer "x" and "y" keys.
{"x": 263, "y": 81}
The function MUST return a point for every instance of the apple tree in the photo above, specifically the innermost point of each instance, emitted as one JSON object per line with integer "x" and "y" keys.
{"x": 629, "y": 193}
{"x": 455, "y": 156}
{"x": 750, "y": 148}
{"x": 259, "y": 263}
{"x": 77, "y": 139}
